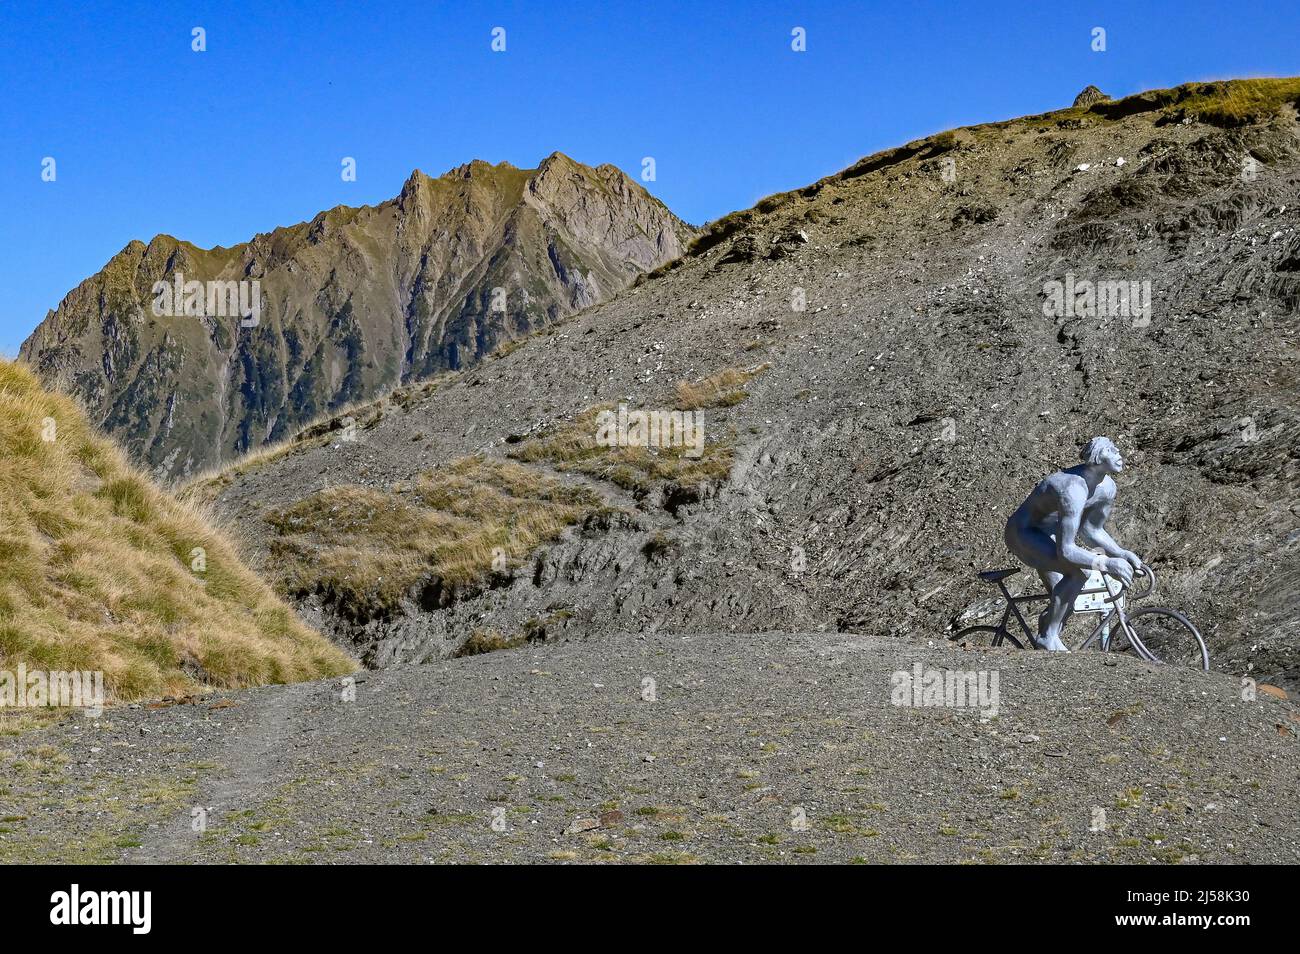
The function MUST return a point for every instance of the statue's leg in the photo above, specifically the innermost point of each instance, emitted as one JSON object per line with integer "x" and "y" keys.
{"x": 1060, "y": 608}
{"x": 1050, "y": 580}
{"x": 1036, "y": 548}
{"x": 1063, "y": 580}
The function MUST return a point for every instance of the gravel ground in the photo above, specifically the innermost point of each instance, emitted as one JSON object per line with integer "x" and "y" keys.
{"x": 747, "y": 737}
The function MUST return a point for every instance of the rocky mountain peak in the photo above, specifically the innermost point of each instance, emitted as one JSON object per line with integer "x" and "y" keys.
{"x": 1088, "y": 96}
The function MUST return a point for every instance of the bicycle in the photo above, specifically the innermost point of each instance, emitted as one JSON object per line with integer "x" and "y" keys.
{"x": 1156, "y": 634}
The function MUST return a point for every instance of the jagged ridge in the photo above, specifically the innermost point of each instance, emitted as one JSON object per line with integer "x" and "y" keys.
{"x": 354, "y": 302}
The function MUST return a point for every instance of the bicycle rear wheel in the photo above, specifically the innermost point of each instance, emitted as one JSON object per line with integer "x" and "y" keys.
{"x": 1165, "y": 636}
{"x": 985, "y": 636}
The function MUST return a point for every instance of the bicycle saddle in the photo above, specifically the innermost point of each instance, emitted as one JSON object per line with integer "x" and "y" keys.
{"x": 992, "y": 576}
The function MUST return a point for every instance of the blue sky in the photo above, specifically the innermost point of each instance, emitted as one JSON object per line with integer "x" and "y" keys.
{"x": 150, "y": 136}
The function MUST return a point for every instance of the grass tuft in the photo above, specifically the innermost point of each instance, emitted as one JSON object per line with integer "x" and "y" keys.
{"x": 725, "y": 388}
{"x": 488, "y": 641}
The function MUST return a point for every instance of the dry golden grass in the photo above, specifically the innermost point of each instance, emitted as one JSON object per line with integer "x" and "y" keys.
{"x": 721, "y": 389}
{"x": 640, "y": 469}
{"x": 1224, "y": 103}
{"x": 1234, "y": 102}
{"x": 572, "y": 447}
{"x": 101, "y": 570}
{"x": 365, "y": 549}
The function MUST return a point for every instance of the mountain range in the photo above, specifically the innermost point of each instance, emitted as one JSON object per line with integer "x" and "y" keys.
{"x": 349, "y": 305}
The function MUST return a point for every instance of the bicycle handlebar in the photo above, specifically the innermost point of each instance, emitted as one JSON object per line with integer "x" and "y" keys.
{"x": 1150, "y": 575}
{"x": 1145, "y": 571}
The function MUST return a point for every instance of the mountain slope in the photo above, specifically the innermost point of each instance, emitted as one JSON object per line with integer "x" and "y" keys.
{"x": 352, "y": 303}
{"x": 919, "y": 385}
{"x": 100, "y": 570}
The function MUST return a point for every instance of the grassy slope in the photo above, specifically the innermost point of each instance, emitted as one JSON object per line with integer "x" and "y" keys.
{"x": 1224, "y": 103}
{"x": 366, "y": 548}
{"x": 100, "y": 570}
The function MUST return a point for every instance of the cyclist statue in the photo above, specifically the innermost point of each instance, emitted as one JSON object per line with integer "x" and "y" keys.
{"x": 1073, "y": 501}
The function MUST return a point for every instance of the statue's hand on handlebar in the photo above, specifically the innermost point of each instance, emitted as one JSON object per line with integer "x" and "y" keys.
{"x": 1120, "y": 569}
{"x": 1133, "y": 559}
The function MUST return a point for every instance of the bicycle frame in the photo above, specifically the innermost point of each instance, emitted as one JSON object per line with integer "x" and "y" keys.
{"x": 1101, "y": 631}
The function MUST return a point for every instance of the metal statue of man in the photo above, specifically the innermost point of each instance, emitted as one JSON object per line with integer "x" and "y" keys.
{"x": 1072, "y": 502}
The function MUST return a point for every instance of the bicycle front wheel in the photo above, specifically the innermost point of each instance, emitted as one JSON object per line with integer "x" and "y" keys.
{"x": 985, "y": 636}
{"x": 1118, "y": 641}
{"x": 1167, "y": 636}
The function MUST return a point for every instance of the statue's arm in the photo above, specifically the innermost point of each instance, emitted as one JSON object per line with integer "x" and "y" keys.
{"x": 1092, "y": 531}
{"x": 1071, "y": 512}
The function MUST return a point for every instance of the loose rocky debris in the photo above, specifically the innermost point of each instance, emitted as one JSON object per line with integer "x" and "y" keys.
{"x": 918, "y": 388}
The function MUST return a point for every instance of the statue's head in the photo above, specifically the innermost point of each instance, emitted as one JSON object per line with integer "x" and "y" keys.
{"x": 1102, "y": 452}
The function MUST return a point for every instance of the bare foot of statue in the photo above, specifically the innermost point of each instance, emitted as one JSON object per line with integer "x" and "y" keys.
{"x": 1052, "y": 643}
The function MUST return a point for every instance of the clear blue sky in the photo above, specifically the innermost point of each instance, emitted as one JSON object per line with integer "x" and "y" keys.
{"x": 213, "y": 147}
